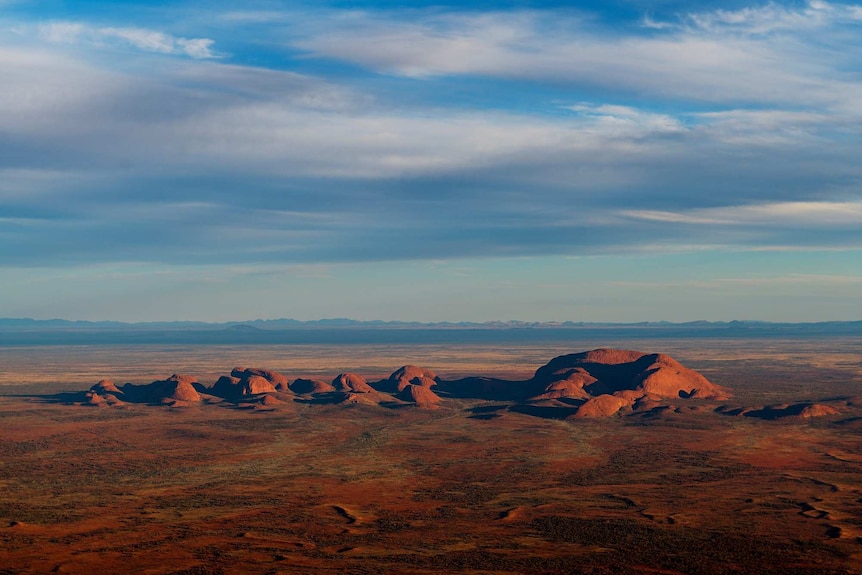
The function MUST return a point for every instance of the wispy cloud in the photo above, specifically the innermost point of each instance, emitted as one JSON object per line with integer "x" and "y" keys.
{"x": 720, "y": 56}
{"x": 772, "y": 17}
{"x": 138, "y": 38}
{"x": 628, "y": 117}
{"x": 701, "y": 132}
{"x": 723, "y": 283}
{"x": 770, "y": 214}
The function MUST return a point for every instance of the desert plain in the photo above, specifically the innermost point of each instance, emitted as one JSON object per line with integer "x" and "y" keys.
{"x": 744, "y": 484}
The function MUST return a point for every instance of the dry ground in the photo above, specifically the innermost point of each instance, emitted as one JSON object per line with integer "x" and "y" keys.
{"x": 466, "y": 488}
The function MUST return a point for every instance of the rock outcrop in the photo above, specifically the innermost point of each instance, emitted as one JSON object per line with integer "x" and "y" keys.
{"x": 601, "y": 406}
{"x": 610, "y": 379}
{"x": 227, "y": 387}
{"x": 351, "y": 382}
{"x": 177, "y": 389}
{"x": 409, "y": 375}
{"x": 106, "y": 386}
{"x": 804, "y": 410}
{"x": 243, "y": 382}
{"x": 597, "y": 383}
{"x": 278, "y": 381}
{"x": 310, "y": 386}
{"x": 420, "y": 395}
{"x": 817, "y": 410}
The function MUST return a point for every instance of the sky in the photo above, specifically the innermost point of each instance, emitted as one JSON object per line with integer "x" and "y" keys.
{"x": 624, "y": 160}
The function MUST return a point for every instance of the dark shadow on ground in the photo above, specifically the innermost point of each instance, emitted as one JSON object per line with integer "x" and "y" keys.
{"x": 544, "y": 412}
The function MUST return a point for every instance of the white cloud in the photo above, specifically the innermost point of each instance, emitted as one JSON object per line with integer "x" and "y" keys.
{"x": 629, "y": 117}
{"x": 62, "y": 32}
{"x": 41, "y": 87}
{"x": 199, "y": 48}
{"x": 143, "y": 39}
{"x": 809, "y": 213}
{"x": 721, "y": 57}
{"x": 272, "y": 122}
{"x": 773, "y": 17}
{"x": 468, "y": 179}
{"x": 773, "y": 127}
{"x": 140, "y": 38}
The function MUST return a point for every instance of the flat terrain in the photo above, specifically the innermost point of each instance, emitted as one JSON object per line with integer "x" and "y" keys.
{"x": 469, "y": 487}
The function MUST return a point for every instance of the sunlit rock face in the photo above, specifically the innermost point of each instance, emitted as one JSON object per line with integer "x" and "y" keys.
{"x": 612, "y": 379}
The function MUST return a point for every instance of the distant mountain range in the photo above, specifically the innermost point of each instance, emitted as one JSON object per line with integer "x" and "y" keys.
{"x": 25, "y": 331}
{"x": 340, "y": 322}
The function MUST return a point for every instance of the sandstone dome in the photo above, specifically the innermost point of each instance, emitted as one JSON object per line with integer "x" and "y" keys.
{"x": 305, "y": 386}
{"x": 176, "y": 388}
{"x": 606, "y": 371}
{"x": 279, "y": 381}
{"x": 410, "y": 375}
{"x": 610, "y": 379}
{"x": 105, "y": 386}
{"x": 421, "y": 395}
{"x": 352, "y": 383}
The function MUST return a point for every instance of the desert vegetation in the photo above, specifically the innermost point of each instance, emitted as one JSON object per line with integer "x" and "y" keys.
{"x": 470, "y": 486}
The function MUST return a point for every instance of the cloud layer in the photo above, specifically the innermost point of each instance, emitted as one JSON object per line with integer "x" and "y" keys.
{"x": 368, "y": 135}
{"x": 137, "y": 38}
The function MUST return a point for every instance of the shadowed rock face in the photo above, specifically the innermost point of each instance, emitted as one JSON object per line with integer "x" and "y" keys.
{"x": 175, "y": 388}
{"x": 571, "y": 386}
{"x": 306, "y": 386}
{"x": 488, "y": 388}
{"x": 803, "y": 410}
{"x": 227, "y": 387}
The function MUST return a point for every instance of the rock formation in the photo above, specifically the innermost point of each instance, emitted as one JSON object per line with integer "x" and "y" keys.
{"x": 227, "y": 387}
{"x": 244, "y": 382}
{"x": 177, "y": 389}
{"x": 351, "y": 382}
{"x": 106, "y": 386}
{"x": 310, "y": 386}
{"x": 409, "y": 375}
{"x": 421, "y": 395}
{"x": 255, "y": 385}
{"x": 597, "y": 383}
{"x": 279, "y": 382}
{"x": 601, "y": 406}
{"x": 610, "y": 379}
{"x": 800, "y": 410}
{"x": 817, "y": 410}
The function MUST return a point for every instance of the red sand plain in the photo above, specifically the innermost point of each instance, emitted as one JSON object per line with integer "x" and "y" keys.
{"x": 466, "y": 488}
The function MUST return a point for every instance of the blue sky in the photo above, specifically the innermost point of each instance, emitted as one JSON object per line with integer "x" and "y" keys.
{"x": 596, "y": 161}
